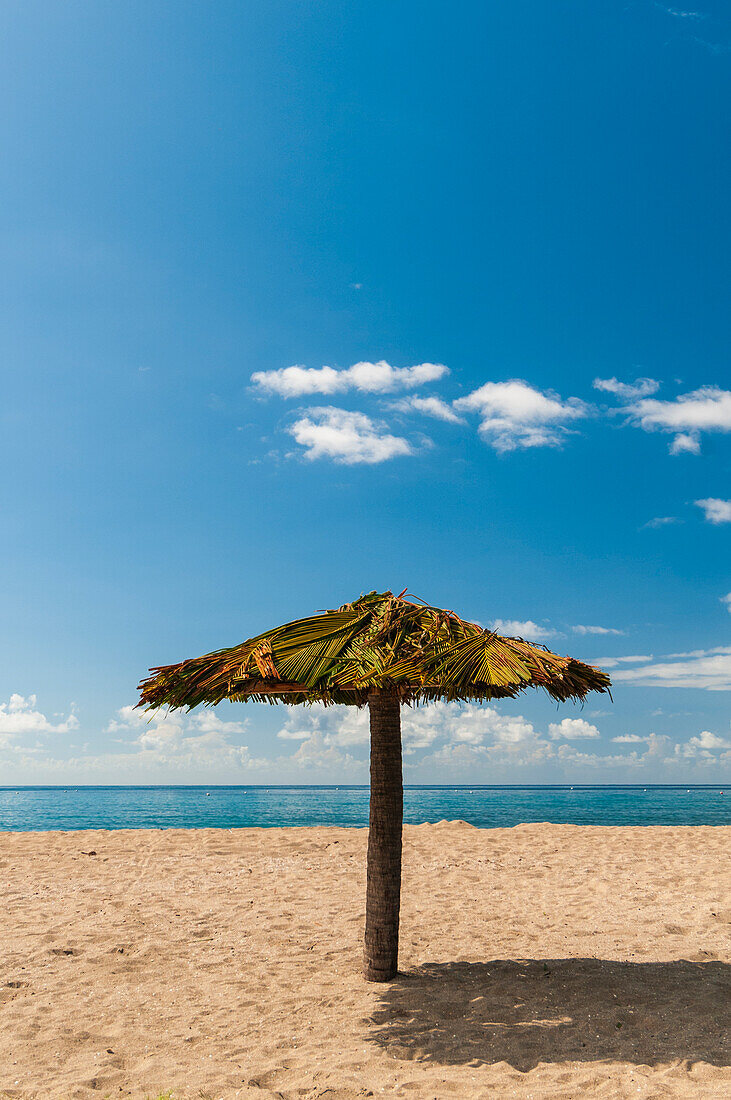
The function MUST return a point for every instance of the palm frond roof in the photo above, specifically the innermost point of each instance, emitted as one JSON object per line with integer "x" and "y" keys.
{"x": 381, "y": 642}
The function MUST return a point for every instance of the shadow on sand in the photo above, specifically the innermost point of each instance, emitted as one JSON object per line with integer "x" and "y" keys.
{"x": 557, "y": 1010}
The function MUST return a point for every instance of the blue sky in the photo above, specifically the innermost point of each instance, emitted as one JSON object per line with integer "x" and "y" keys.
{"x": 305, "y": 299}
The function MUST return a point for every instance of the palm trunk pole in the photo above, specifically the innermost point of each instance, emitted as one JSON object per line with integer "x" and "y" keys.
{"x": 383, "y": 891}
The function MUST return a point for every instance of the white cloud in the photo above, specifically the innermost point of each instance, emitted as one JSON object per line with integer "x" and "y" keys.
{"x": 612, "y": 662}
{"x": 572, "y": 728}
{"x": 468, "y": 723}
{"x": 346, "y": 437}
{"x": 514, "y": 416}
{"x": 130, "y": 717}
{"x": 709, "y": 669}
{"x": 178, "y": 740}
{"x": 654, "y": 755}
{"x": 20, "y": 717}
{"x": 698, "y": 652}
{"x": 679, "y": 14}
{"x": 707, "y": 409}
{"x": 205, "y": 720}
{"x": 163, "y": 745}
{"x": 628, "y": 391}
{"x": 707, "y": 740}
{"x": 326, "y": 731}
{"x": 429, "y": 406}
{"x": 595, "y": 630}
{"x": 629, "y": 739}
{"x": 685, "y": 443}
{"x": 378, "y": 377}
{"x": 716, "y": 511}
{"x": 335, "y": 725}
{"x": 346, "y": 727}
{"x": 704, "y": 747}
{"x": 660, "y": 521}
{"x": 495, "y": 740}
{"x": 727, "y": 600}
{"x": 319, "y": 753}
{"x": 513, "y": 628}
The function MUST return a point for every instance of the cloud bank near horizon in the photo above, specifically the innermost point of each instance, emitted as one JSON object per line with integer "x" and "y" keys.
{"x": 456, "y": 739}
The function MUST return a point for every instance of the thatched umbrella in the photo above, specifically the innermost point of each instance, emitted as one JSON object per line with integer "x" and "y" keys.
{"x": 381, "y": 651}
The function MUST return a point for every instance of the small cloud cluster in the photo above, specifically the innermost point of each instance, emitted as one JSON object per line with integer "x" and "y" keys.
{"x": 342, "y": 727}
{"x": 612, "y": 662}
{"x": 572, "y": 729}
{"x": 513, "y": 628}
{"x": 705, "y": 746}
{"x": 515, "y": 416}
{"x": 687, "y": 21}
{"x": 687, "y": 417}
{"x": 627, "y": 391}
{"x": 715, "y": 510}
{"x": 350, "y": 438}
{"x": 709, "y": 669}
{"x": 378, "y": 377}
{"x": 678, "y": 13}
{"x": 429, "y": 406}
{"x": 660, "y": 521}
{"x": 20, "y": 717}
{"x": 179, "y": 740}
{"x": 512, "y": 415}
{"x": 596, "y": 630}
{"x": 535, "y": 632}
{"x": 327, "y": 734}
{"x": 141, "y": 746}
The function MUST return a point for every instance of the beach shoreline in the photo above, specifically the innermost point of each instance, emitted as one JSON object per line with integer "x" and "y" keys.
{"x": 540, "y": 960}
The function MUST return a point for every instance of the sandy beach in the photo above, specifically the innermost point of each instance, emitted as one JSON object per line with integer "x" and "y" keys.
{"x": 540, "y": 961}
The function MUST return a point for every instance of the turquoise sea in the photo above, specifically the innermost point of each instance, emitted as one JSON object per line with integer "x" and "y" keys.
{"x": 34, "y": 808}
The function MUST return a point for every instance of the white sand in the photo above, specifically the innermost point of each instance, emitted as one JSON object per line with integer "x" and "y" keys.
{"x": 542, "y": 961}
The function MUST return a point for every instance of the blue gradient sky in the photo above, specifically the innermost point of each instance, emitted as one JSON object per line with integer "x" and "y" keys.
{"x": 194, "y": 193}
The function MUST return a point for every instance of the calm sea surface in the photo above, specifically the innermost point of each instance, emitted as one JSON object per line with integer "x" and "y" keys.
{"x": 25, "y": 808}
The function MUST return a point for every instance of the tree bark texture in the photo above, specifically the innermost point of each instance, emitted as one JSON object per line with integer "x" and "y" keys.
{"x": 383, "y": 891}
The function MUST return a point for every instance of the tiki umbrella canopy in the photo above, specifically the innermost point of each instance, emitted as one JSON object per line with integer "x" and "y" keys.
{"x": 381, "y": 650}
{"x": 380, "y": 642}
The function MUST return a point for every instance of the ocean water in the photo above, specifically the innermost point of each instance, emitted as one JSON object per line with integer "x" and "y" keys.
{"x": 40, "y": 808}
